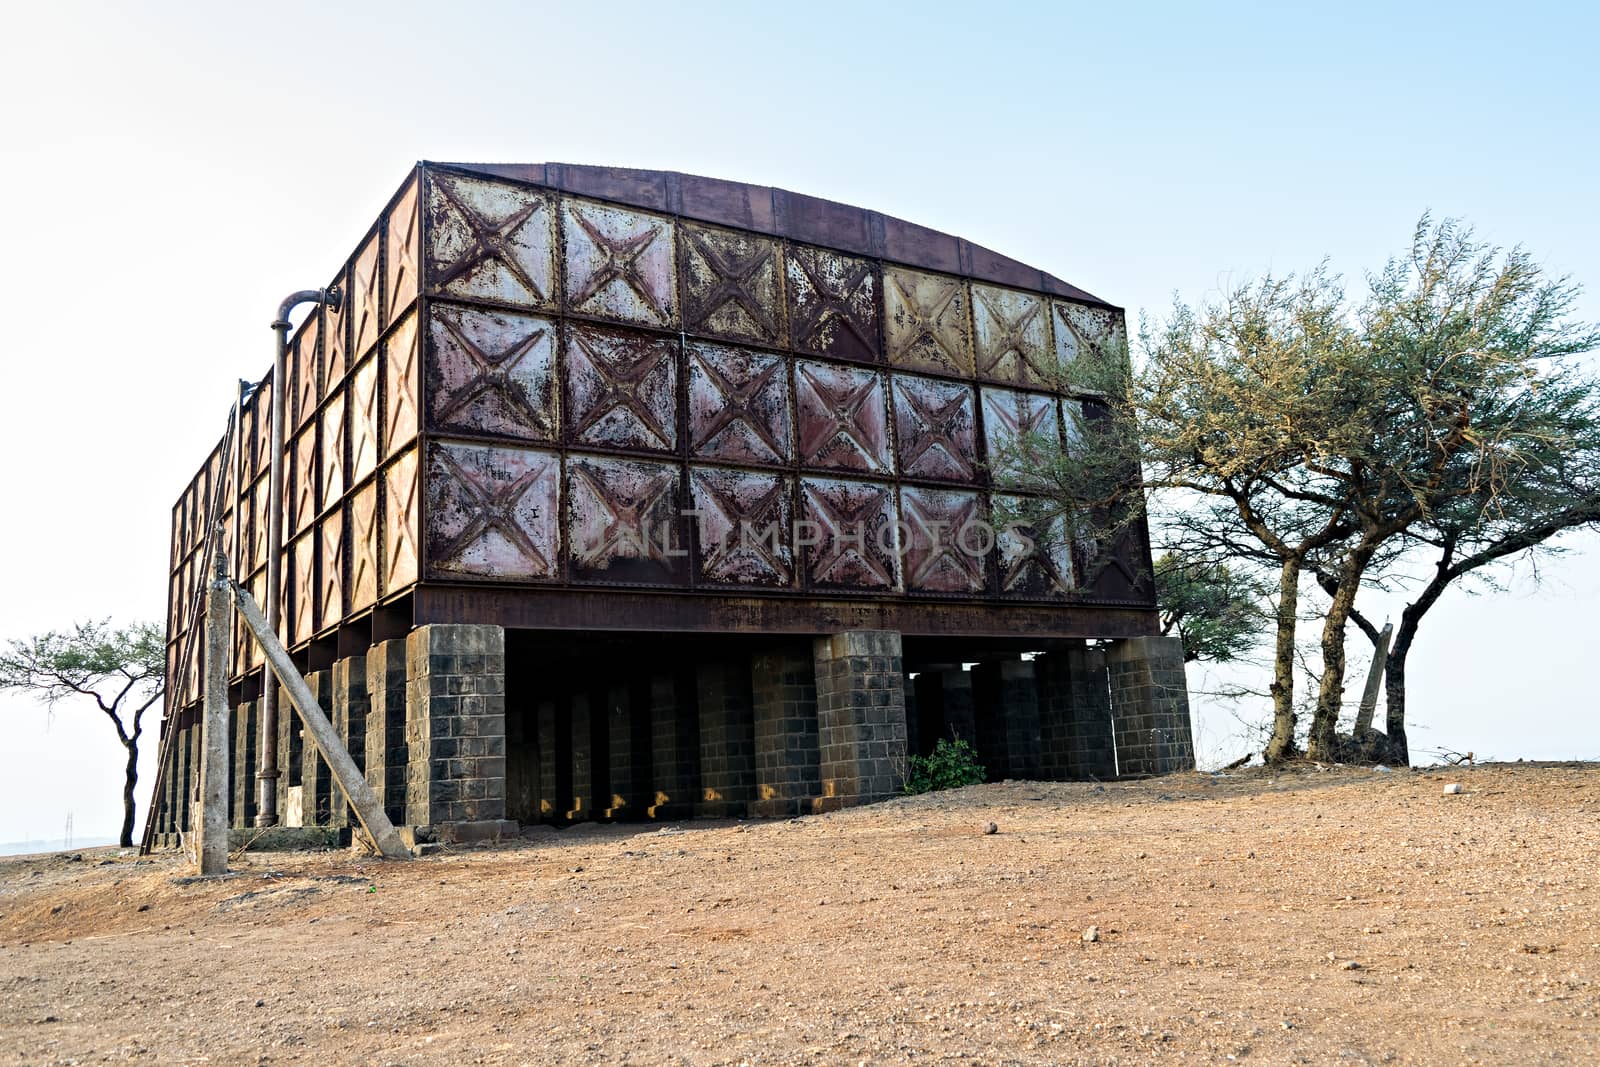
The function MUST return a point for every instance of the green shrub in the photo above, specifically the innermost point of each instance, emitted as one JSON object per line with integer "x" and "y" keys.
{"x": 952, "y": 765}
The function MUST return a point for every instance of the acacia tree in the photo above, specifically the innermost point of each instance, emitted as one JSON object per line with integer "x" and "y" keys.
{"x": 1213, "y": 608}
{"x": 121, "y": 670}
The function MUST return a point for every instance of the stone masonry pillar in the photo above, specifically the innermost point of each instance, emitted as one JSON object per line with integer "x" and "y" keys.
{"x": 1075, "y": 715}
{"x": 627, "y": 749}
{"x": 552, "y": 770}
{"x": 316, "y": 780}
{"x": 245, "y": 728}
{"x": 580, "y": 749}
{"x": 861, "y": 717}
{"x": 1006, "y": 695}
{"x": 456, "y": 731}
{"x": 727, "y": 739}
{"x": 1150, "y": 705}
{"x": 674, "y": 745}
{"x": 351, "y": 705}
{"x": 385, "y": 746}
{"x": 784, "y": 692}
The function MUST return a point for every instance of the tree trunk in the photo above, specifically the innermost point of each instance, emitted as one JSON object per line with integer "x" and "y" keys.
{"x": 1395, "y": 683}
{"x": 1324, "y": 743}
{"x": 1281, "y": 745}
{"x": 129, "y": 781}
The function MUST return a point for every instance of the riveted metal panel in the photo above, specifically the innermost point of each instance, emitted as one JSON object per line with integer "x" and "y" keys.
{"x": 401, "y": 522}
{"x": 1034, "y": 555}
{"x": 363, "y": 417}
{"x": 934, "y": 427}
{"x": 744, "y": 526}
{"x": 1010, "y": 419}
{"x": 250, "y": 648}
{"x": 491, "y": 372}
{"x": 303, "y": 473}
{"x": 402, "y": 251}
{"x": 619, "y": 264}
{"x": 624, "y": 521}
{"x": 1082, "y": 331}
{"x": 491, "y": 241}
{"x": 333, "y": 450}
{"x": 366, "y": 305}
{"x": 330, "y": 586}
{"x": 738, "y": 404}
{"x": 336, "y": 330}
{"x": 947, "y": 540}
{"x": 361, "y": 517}
{"x": 1011, "y": 331}
{"x": 850, "y": 534}
{"x": 621, "y": 388}
{"x": 493, "y": 512}
{"x": 841, "y": 417}
{"x": 833, "y": 304}
{"x": 925, "y": 321}
{"x": 301, "y": 602}
{"x": 732, "y": 285}
{"x": 401, "y": 369}
{"x": 305, "y": 373}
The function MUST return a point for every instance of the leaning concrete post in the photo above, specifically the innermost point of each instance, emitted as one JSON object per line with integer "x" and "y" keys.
{"x": 211, "y": 847}
{"x": 1369, "y": 696}
{"x": 345, "y": 772}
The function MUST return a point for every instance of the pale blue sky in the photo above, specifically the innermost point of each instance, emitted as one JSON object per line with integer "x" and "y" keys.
{"x": 170, "y": 171}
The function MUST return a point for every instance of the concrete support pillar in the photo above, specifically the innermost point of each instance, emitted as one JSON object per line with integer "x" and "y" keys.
{"x": 316, "y": 780}
{"x": 290, "y": 763}
{"x": 1006, "y": 695}
{"x": 1150, "y": 705}
{"x": 186, "y": 771}
{"x": 674, "y": 745}
{"x": 958, "y": 706}
{"x": 456, "y": 731}
{"x": 727, "y": 739}
{"x": 580, "y": 765}
{"x": 784, "y": 703}
{"x": 522, "y": 759}
{"x": 861, "y": 717}
{"x": 913, "y": 716}
{"x": 385, "y": 746}
{"x": 246, "y": 724}
{"x": 1075, "y": 715}
{"x": 171, "y": 789}
{"x": 554, "y": 774}
{"x": 351, "y": 705}
{"x": 627, "y": 711}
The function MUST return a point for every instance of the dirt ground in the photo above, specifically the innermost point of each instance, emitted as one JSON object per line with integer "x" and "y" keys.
{"x": 1345, "y": 916}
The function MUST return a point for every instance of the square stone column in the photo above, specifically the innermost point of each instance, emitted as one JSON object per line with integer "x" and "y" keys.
{"x": 456, "y": 731}
{"x": 522, "y": 758}
{"x": 171, "y": 788}
{"x": 1075, "y": 715}
{"x": 580, "y": 764}
{"x": 1006, "y": 696}
{"x": 555, "y": 779}
{"x": 385, "y": 746}
{"x": 1150, "y": 705}
{"x": 727, "y": 739}
{"x": 784, "y": 696}
{"x": 627, "y": 749}
{"x": 351, "y": 706}
{"x": 186, "y": 772}
{"x": 316, "y": 779}
{"x": 246, "y": 725}
{"x": 861, "y": 717}
{"x": 674, "y": 745}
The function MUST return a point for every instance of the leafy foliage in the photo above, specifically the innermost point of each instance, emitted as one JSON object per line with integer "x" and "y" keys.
{"x": 952, "y": 765}
{"x": 1215, "y": 609}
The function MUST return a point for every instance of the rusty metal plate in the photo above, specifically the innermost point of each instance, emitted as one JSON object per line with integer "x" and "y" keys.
{"x": 1034, "y": 555}
{"x": 833, "y": 304}
{"x": 333, "y": 450}
{"x": 256, "y": 545}
{"x": 1010, "y": 418}
{"x": 841, "y": 418}
{"x": 493, "y": 511}
{"x": 361, "y": 516}
{"x": 743, "y": 526}
{"x": 300, "y": 494}
{"x": 934, "y": 429}
{"x": 251, "y": 648}
{"x": 623, "y": 521}
{"x": 336, "y": 331}
{"x": 402, "y": 244}
{"x": 738, "y": 404}
{"x": 850, "y": 534}
{"x": 925, "y": 321}
{"x": 621, "y": 388}
{"x": 261, "y": 428}
{"x": 1082, "y": 331}
{"x": 732, "y": 285}
{"x": 619, "y": 264}
{"x": 491, "y": 241}
{"x": 400, "y": 376}
{"x": 301, "y": 603}
{"x": 1011, "y": 333}
{"x": 330, "y": 596}
{"x": 363, "y": 402}
{"x": 947, "y": 540}
{"x": 491, "y": 372}
{"x": 400, "y": 522}
{"x": 305, "y": 381}
{"x": 366, "y": 306}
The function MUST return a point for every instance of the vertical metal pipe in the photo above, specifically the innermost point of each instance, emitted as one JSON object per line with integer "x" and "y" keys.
{"x": 211, "y": 828}
{"x": 267, "y": 776}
